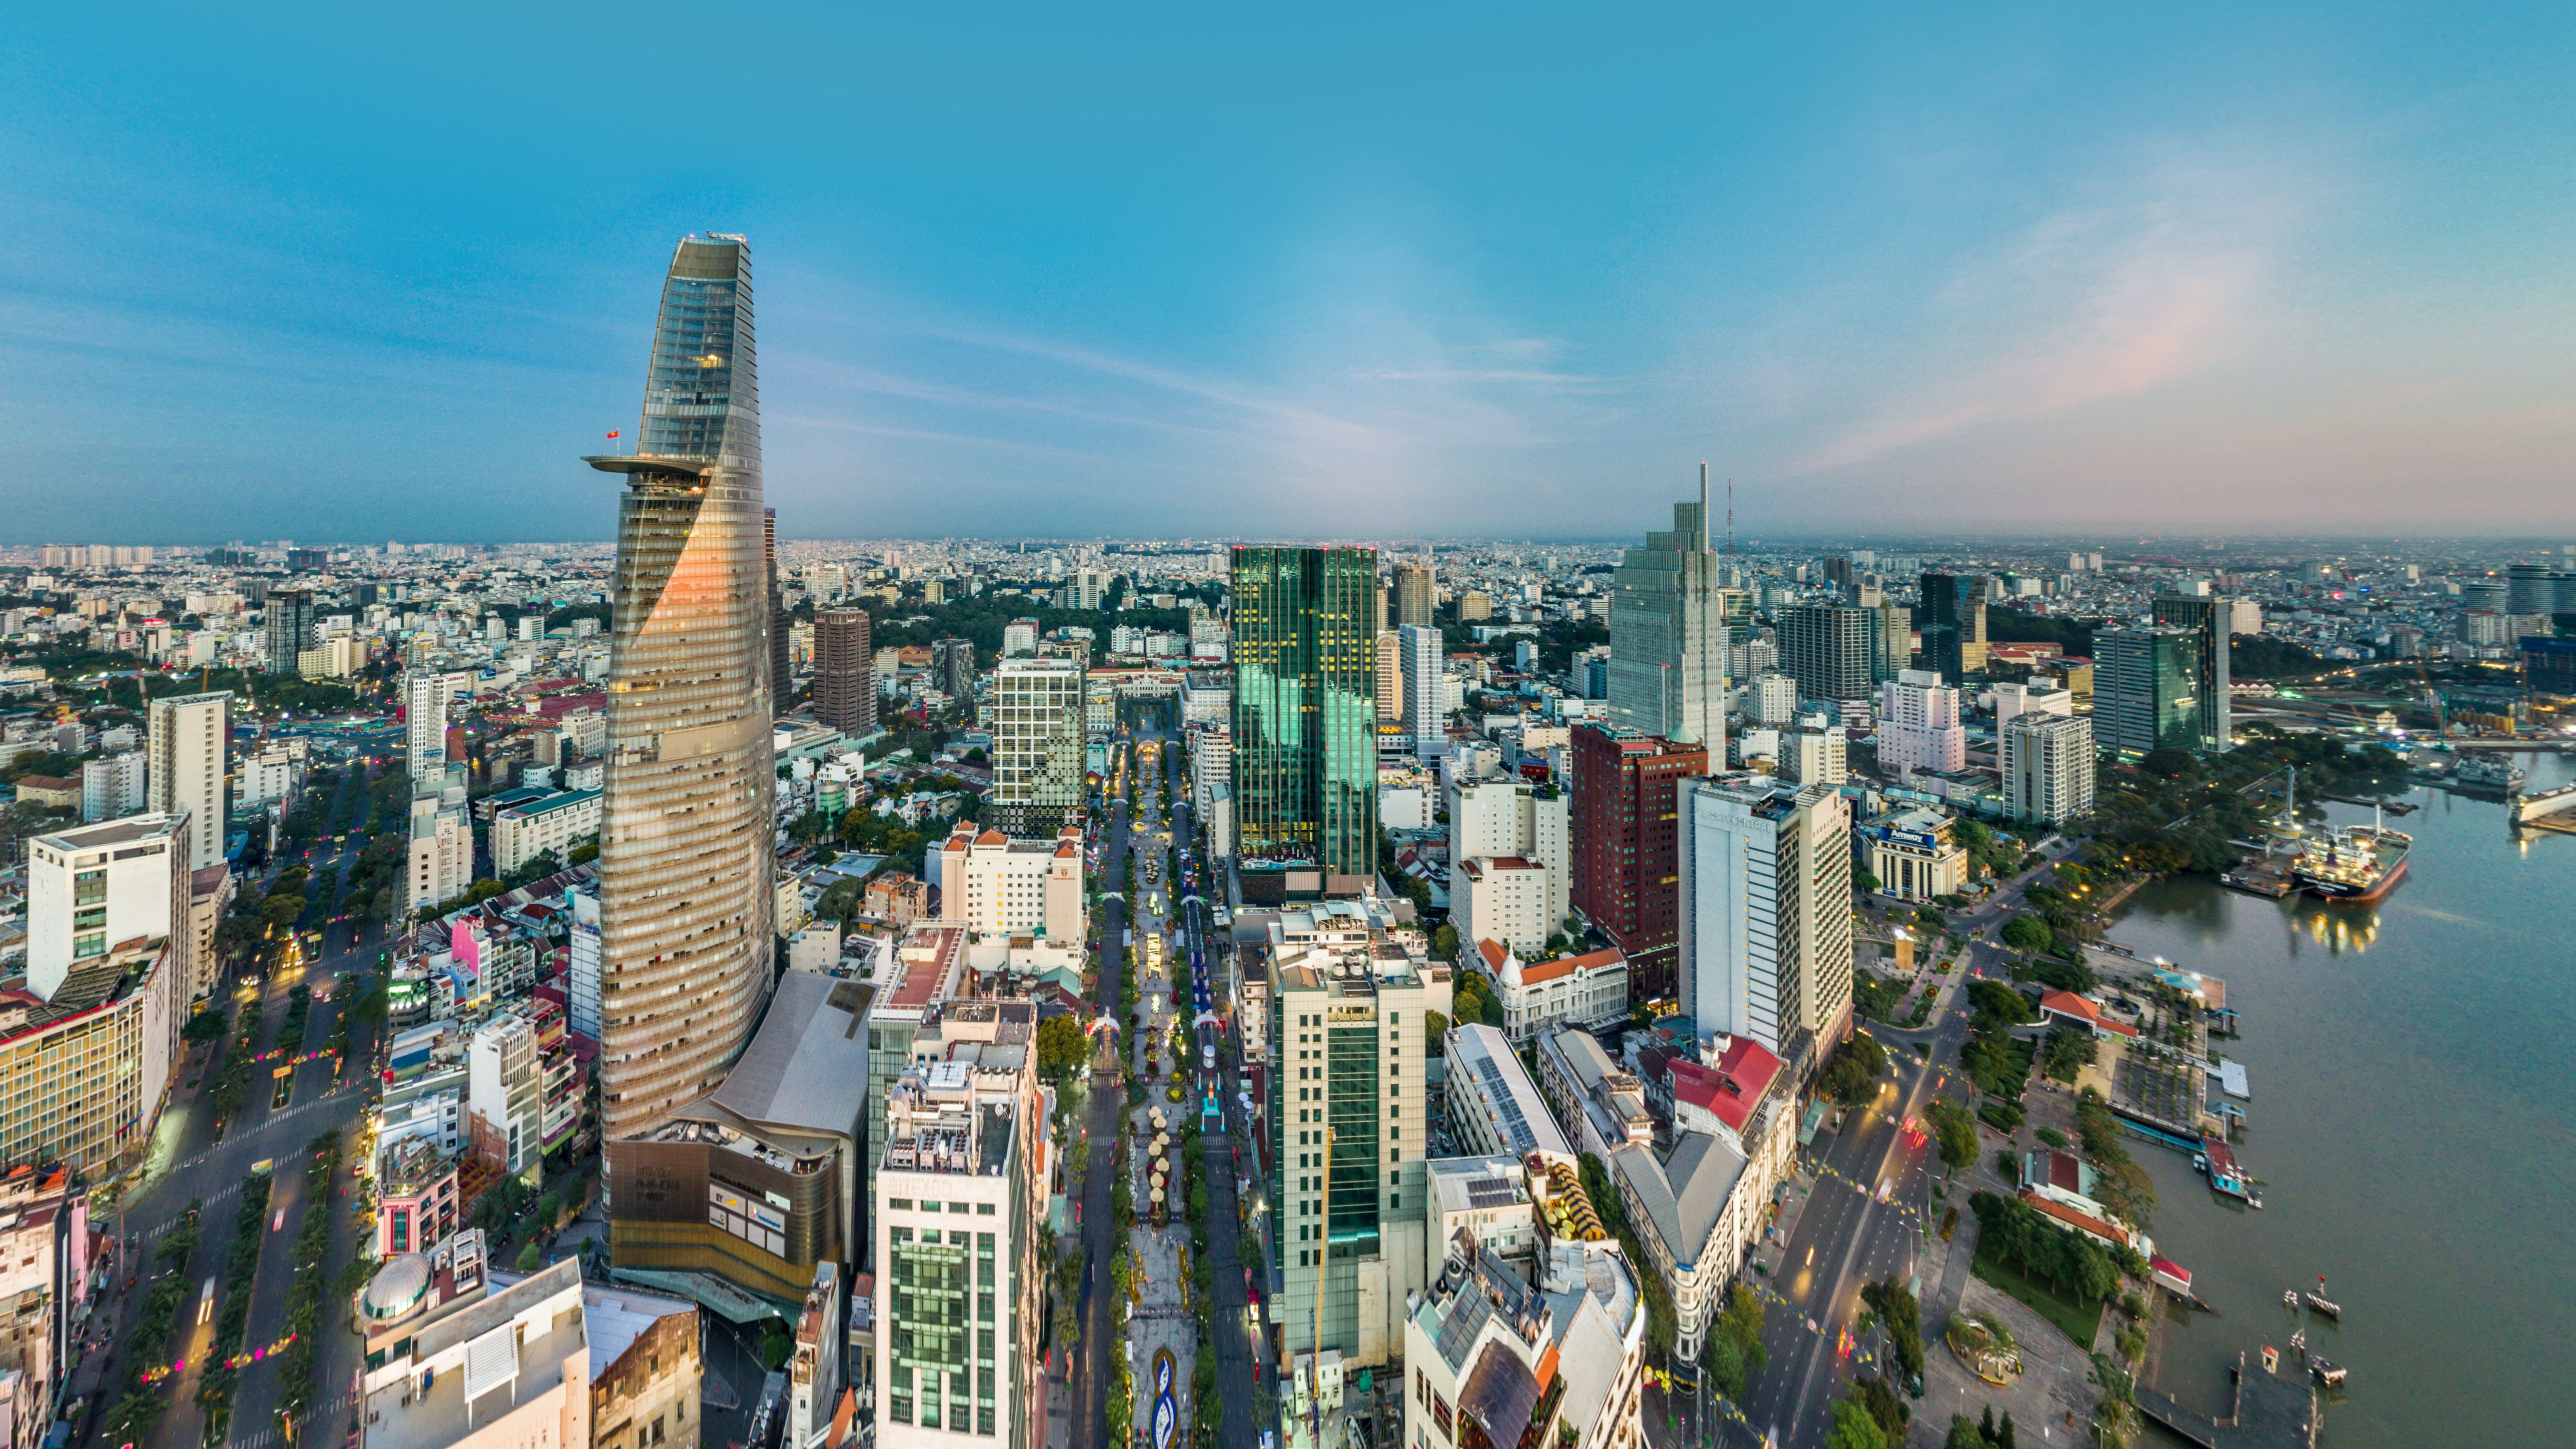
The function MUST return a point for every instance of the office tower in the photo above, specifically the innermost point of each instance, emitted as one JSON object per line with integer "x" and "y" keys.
{"x": 845, "y": 690}
{"x": 1305, "y": 700}
{"x": 782, "y": 679}
{"x": 958, "y": 1205}
{"x": 288, "y": 627}
{"x": 1037, "y": 745}
{"x": 1020, "y": 636}
{"x": 1349, "y": 1131}
{"x": 1843, "y": 574}
{"x": 2210, "y": 620}
{"x": 1891, "y": 647}
{"x": 1426, "y": 690}
{"x": 1413, "y": 596}
{"x": 1954, "y": 624}
{"x": 186, "y": 741}
{"x": 1826, "y": 648}
{"x": 1624, "y": 876}
{"x": 685, "y": 856}
{"x": 112, "y": 786}
{"x": 952, "y": 669}
{"x": 425, "y": 696}
{"x": 2244, "y": 616}
{"x": 1390, "y": 677}
{"x": 1090, "y": 587}
{"x": 2146, "y": 692}
{"x": 1766, "y": 914}
{"x": 1669, "y": 634}
{"x": 2047, "y": 766}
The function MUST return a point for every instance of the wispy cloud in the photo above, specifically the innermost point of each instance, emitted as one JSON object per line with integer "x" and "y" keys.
{"x": 2094, "y": 302}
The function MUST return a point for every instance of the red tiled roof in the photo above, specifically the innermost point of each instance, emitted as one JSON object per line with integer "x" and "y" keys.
{"x": 1549, "y": 971}
{"x": 2083, "y": 1221}
{"x": 1494, "y": 956}
{"x": 1730, "y": 1090}
{"x": 2067, "y": 1003}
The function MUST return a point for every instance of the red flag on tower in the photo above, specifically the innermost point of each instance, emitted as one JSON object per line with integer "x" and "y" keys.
{"x": 615, "y": 432}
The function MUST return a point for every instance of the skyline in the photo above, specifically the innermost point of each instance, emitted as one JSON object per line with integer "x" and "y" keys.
{"x": 2040, "y": 279}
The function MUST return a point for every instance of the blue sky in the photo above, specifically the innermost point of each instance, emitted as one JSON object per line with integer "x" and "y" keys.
{"x": 1381, "y": 270}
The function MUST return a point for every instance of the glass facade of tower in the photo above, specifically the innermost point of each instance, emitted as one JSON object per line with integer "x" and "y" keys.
{"x": 685, "y": 855}
{"x": 1669, "y": 634}
{"x": 2145, "y": 695}
{"x": 1954, "y": 625}
{"x": 2207, "y": 619}
{"x": 1305, "y": 708}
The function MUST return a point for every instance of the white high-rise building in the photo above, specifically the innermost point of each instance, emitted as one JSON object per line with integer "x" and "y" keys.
{"x": 1515, "y": 819}
{"x": 425, "y": 725}
{"x": 1771, "y": 700}
{"x": 95, "y": 888}
{"x": 112, "y": 786}
{"x": 441, "y": 855}
{"x": 1668, "y": 634}
{"x": 1918, "y": 726}
{"x": 583, "y": 999}
{"x": 1766, "y": 913}
{"x": 189, "y": 733}
{"x": 2047, "y": 767}
{"x": 505, "y": 1095}
{"x": 1814, "y": 754}
{"x": 1426, "y": 701}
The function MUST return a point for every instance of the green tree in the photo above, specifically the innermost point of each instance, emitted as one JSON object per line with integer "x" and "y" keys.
{"x": 1062, "y": 1047}
{"x": 1444, "y": 943}
{"x": 1435, "y": 1029}
{"x": 1956, "y": 1131}
{"x": 205, "y": 1026}
{"x": 2028, "y": 934}
{"x": 1853, "y": 1428}
{"x": 1851, "y": 1078}
{"x": 1996, "y": 1004}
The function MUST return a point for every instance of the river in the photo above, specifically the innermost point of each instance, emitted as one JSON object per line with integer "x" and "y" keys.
{"x": 2413, "y": 1122}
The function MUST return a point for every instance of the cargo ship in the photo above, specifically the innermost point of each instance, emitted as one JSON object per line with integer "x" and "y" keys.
{"x": 2355, "y": 863}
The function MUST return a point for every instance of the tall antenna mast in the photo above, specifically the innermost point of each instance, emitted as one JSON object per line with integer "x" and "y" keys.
{"x": 1730, "y": 515}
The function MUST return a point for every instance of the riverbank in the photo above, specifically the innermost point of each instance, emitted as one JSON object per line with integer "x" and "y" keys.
{"x": 2414, "y": 1111}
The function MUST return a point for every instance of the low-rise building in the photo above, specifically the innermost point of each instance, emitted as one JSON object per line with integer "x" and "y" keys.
{"x": 1605, "y": 1106}
{"x": 761, "y": 1181}
{"x": 523, "y": 832}
{"x": 1495, "y": 1360}
{"x": 460, "y": 1357}
{"x": 1911, "y": 853}
{"x": 415, "y": 1196}
{"x": 44, "y": 1250}
{"x": 1587, "y": 990}
{"x": 994, "y": 885}
{"x": 1493, "y": 1107}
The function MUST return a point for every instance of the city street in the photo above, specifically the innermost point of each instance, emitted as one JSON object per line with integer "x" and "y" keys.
{"x": 1842, "y": 1235}
{"x": 185, "y": 1163}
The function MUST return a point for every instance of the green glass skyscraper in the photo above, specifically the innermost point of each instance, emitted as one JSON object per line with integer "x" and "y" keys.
{"x": 1305, "y": 711}
{"x": 1954, "y": 625}
{"x": 2146, "y": 694}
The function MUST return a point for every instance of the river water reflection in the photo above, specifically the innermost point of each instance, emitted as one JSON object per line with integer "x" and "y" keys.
{"x": 2413, "y": 1069}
